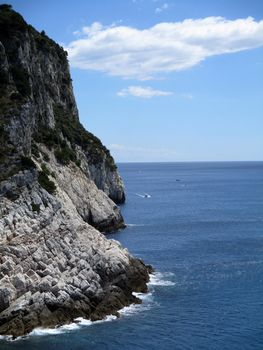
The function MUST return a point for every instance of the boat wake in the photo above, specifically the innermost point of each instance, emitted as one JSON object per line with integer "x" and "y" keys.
{"x": 144, "y": 195}
{"x": 135, "y": 225}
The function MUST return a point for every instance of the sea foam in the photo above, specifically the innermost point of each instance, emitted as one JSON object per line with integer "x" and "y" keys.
{"x": 156, "y": 279}
{"x": 159, "y": 279}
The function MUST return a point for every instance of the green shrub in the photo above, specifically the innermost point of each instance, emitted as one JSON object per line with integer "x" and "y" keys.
{"x": 27, "y": 163}
{"x": 12, "y": 195}
{"x": 35, "y": 207}
{"x": 47, "y": 136}
{"x": 72, "y": 130}
{"x": 5, "y": 7}
{"x": 6, "y": 104}
{"x": 4, "y": 81}
{"x": 45, "y": 169}
{"x": 75, "y": 134}
{"x": 110, "y": 163}
{"x": 64, "y": 155}
{"x": 15, "y": 97}
{"x": 35, "y": 151}
{"x": 47, "y": 45}
{"x": 47, "y": 184}
{"x": 21, "y": 79}
{"x": 78, "y": 162}
{"x": 10, "y": 21}
{"x": 46, "y": 157}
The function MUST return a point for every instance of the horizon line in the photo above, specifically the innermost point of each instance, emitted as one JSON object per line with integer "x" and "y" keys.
{"x": 192, "y": 161}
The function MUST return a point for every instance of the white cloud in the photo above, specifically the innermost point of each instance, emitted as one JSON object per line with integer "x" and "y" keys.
{"x": 166, "y": 47}
{"x": 76, "y": 32}
{"x": 161, "y": 8}
{"x": 143, "y": 92}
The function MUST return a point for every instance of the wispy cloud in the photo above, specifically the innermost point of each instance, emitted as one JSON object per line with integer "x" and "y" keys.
{"x": 142, "y": 92}
{"x": 138, "y": 153}
{"x": 187, "y": 96}
{"x": 166, "y": 47}
{"x": 161, "y": 8}
{"x": 116, "y": 147}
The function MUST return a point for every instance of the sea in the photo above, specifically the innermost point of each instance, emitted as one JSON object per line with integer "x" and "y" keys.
{"x": 200, "y": 225}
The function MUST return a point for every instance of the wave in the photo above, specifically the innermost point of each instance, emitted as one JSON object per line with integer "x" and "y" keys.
{"x": 156, "y": 279}
{"x": 85, "y": 322}
{"x": 147, "y": 302}
{"x": 143, "y": 296}
{"x": 133, "y": 309}
{"x": 54, "y": 331}
{"x": 78, "y": 322}
{"x": 5, "y": 337}
{"x": 159, "y": 279}
{"x": 48, "y": 331}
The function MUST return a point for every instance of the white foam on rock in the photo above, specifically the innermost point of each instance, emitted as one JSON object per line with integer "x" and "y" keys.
{"x": 45, "y": 331}
{"x": 84, "y": 322}
{"x": 70, "y": 327}
{"x": 134, "y": 309}
{"x": 143, "y": 296}
{"x": 5, "y": 337}
{"x": 156, "y": 279}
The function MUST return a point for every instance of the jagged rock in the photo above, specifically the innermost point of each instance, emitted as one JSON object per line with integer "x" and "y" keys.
{"x": 6, "y": 296}
{"x": 58, "y": 185}
{"x": 19, "y": 282}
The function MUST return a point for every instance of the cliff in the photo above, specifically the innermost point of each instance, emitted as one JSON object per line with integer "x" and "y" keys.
{"x": 58, "y": 186}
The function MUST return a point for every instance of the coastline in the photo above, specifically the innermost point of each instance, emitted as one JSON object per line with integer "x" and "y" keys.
{"x": 59, "y": 190}
{"x": 144, "y": 302}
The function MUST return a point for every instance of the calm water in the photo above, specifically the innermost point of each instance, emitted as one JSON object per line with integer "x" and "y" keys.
{"x": 204, "y": 236}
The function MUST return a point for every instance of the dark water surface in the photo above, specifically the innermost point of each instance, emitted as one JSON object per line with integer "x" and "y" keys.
{"x": 202, "y": 229}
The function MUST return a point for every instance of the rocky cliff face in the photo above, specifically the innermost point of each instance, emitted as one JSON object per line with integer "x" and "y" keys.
{"x": 58, "y": 185}
{"x": 37, "y": 105}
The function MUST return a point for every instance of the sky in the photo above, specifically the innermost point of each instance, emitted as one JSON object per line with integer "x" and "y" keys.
{"x": 160, "y": 80}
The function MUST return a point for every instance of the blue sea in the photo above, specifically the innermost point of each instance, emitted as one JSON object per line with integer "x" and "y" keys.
{"x": 201, "y": 226}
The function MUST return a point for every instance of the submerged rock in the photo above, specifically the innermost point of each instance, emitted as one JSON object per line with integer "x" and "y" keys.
{"x": 59, "y": 187}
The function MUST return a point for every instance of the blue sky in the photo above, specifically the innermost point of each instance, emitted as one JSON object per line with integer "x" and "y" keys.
{"x": 160, "y": 80}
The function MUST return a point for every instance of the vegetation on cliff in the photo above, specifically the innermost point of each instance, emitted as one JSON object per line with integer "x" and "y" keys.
{"x": 36, "y": 90}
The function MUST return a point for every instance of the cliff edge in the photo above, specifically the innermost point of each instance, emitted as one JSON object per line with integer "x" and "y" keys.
{"x": 59, "y": 187}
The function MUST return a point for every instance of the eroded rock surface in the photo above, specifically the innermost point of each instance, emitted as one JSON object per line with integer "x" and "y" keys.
{"x": 55, "y": 267}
